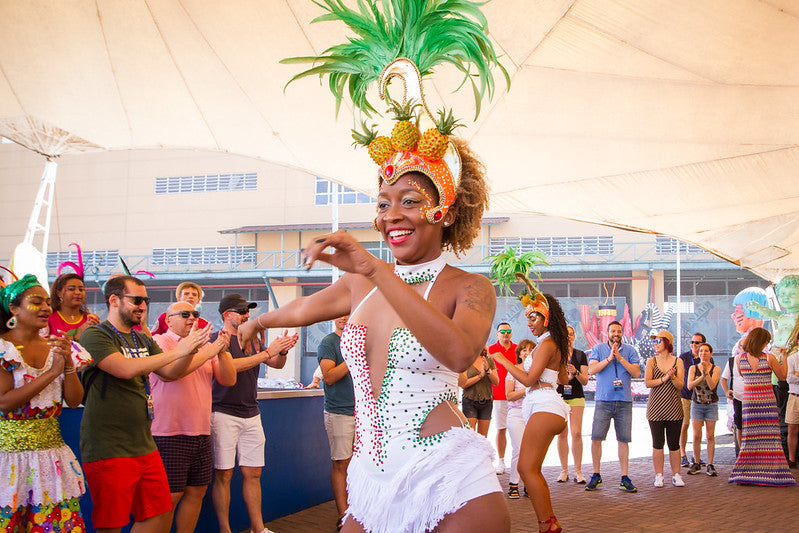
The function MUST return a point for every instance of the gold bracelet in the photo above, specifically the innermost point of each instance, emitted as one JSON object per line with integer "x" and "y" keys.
{"x": 72, "y": 370}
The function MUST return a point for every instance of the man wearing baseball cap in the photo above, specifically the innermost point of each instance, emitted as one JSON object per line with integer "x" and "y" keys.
{"x": 236, "y": 420}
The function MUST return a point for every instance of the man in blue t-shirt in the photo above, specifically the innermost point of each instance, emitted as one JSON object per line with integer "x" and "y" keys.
{"x": 614, "y": 364}
{"x": 339, "y": 411}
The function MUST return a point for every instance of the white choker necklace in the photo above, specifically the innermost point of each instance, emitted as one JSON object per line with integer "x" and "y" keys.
{"x": 412, "y": 274}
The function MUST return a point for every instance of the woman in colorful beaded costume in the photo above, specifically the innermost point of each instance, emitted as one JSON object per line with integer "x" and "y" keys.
{"x": 40, "y": 479}
{"x": 413, "y": 327}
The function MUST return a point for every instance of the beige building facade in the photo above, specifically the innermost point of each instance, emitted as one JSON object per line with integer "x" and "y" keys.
{"x": 236, "y": 224}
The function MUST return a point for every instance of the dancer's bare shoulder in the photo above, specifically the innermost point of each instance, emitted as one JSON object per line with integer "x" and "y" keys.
{"x": 473, "y": 292}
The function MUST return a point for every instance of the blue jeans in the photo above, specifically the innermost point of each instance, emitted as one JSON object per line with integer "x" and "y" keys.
{"x": 622, "y": 415}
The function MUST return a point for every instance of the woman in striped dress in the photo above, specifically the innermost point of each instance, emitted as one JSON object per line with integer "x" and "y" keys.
{"x": 761, "y": 460}
{"x": 664, "y": 409}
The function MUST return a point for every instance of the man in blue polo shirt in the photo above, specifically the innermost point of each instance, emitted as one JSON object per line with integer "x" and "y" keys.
{"x": 614, "y": 364}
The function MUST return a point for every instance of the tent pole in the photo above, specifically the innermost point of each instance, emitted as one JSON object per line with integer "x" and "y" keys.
{"x": 679, "y": 304}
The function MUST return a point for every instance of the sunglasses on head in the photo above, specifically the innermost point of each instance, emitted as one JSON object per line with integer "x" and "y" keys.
{"x": 657, "y": 341}
{"x": 186, "y": 314}
{"x": 137, "y": 300}
{"x": 504, "y": 331}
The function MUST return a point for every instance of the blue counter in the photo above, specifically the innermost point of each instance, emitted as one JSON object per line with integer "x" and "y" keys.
{"x": 297, "y": 471}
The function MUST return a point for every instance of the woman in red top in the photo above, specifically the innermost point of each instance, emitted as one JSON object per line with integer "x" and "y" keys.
{"x": 70, "y": 316}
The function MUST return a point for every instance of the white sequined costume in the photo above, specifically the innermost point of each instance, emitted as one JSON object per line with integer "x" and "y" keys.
{"x": 398, "y": 481}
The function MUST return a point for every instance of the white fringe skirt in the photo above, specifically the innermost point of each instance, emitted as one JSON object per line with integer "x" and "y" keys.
{"x": 433, "y": 483}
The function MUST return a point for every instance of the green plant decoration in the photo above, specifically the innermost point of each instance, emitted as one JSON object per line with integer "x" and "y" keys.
{"x": 505, "y": 267}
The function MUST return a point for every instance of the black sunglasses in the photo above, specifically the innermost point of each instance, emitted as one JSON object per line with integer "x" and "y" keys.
{"x": 137, "y": 300}
{"x": 245, "y": 311}
{"x": 186, "y": 314}
{"x": 696, "y": 342}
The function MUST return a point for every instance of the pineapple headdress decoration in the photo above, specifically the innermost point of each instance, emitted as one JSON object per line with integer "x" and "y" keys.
{"x": 508, "y": 267}
{"x": 405, "y": 39}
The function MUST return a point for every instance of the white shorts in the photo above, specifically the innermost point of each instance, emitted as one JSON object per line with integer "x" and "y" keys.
{"x": 500, "y": 414}
{"x": 544, "y": 400}
{"x": 234, "y": 436}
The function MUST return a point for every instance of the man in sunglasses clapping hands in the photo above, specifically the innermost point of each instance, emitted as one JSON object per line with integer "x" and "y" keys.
{"x": 123, "y": 468}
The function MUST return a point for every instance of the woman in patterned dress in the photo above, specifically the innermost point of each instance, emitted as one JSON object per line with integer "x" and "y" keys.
{"x": 761, "y": 460}
{"x": 40, "y": 479}
{"x": 413, "y": 327}
{"x": 664, "y": 409}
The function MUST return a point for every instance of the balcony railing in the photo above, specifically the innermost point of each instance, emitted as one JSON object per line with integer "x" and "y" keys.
{"x": 625, "y": 256}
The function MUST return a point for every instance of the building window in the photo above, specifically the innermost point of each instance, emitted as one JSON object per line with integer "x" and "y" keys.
{"x": 206, "y": 255}
{"x": 207, "y": 183}
{"x": 324, "y": 194}
{"x": 556, "y": 246}
{"x": 91, "y": 258}
{"x": 379, "y": 249}
{"x": 668, "y": 246}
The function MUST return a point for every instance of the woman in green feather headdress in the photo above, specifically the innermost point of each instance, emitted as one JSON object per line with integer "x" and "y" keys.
{"x": 416, "y": 324}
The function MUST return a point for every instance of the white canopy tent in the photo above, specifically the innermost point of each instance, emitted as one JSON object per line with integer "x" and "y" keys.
{"x": 678, "y": 117}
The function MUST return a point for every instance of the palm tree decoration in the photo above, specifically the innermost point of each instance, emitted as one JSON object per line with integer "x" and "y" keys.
{"x": 509, "y": 265}
{"x": 428, "y": 32}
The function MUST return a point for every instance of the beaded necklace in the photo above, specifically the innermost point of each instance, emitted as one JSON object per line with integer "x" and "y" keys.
{"x": 413, "y": 274}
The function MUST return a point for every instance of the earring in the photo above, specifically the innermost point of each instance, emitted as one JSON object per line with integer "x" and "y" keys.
{"x": 11, "y": 323}
{"x": 374, "y": 224}
{"x": 446, "y": 223}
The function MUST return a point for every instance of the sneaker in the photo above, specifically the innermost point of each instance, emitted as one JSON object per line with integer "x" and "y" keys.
{"x": 594, "y": 483}
{"x": 626, "y": 485}
{"x": 711, "y": 470}
{"x": 564, "y": 476}
{"x": 513, "y": 491}
{"x": 677, "y": 481}
{"x": 501, "y": 467}
{"x": 695, "y": 468}
{"x": 684, "y": 462}
{"x": 579, "y": 478}
{"x": 658, "y": 480}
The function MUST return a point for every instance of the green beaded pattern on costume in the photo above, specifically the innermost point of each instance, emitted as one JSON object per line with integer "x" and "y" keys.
{"x": 413, "y": 278}
{"x": 403, "y": 346}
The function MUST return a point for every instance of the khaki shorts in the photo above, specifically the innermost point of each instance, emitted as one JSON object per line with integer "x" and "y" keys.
{"x": 792, "y": 410}
{"x": 341, "y": 435}
{"x": 686, "y": 411}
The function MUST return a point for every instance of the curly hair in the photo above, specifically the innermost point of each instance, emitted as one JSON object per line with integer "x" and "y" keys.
{"x": 558, "y": 328}
{"x": 56, "y": 288}
{"x": 471, "y": 199}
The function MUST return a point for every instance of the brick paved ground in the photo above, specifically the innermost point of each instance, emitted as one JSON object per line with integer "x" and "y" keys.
{"x": 704, "y": 504}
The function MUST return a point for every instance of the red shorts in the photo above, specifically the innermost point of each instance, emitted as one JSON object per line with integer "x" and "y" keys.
{"x": 122, "y": 486}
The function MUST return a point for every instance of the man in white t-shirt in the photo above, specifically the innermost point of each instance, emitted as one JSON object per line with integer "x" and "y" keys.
{"x": 735, "y": 394}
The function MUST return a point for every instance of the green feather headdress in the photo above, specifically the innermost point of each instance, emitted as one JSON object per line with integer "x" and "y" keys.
{"x": 428, "y": 32}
